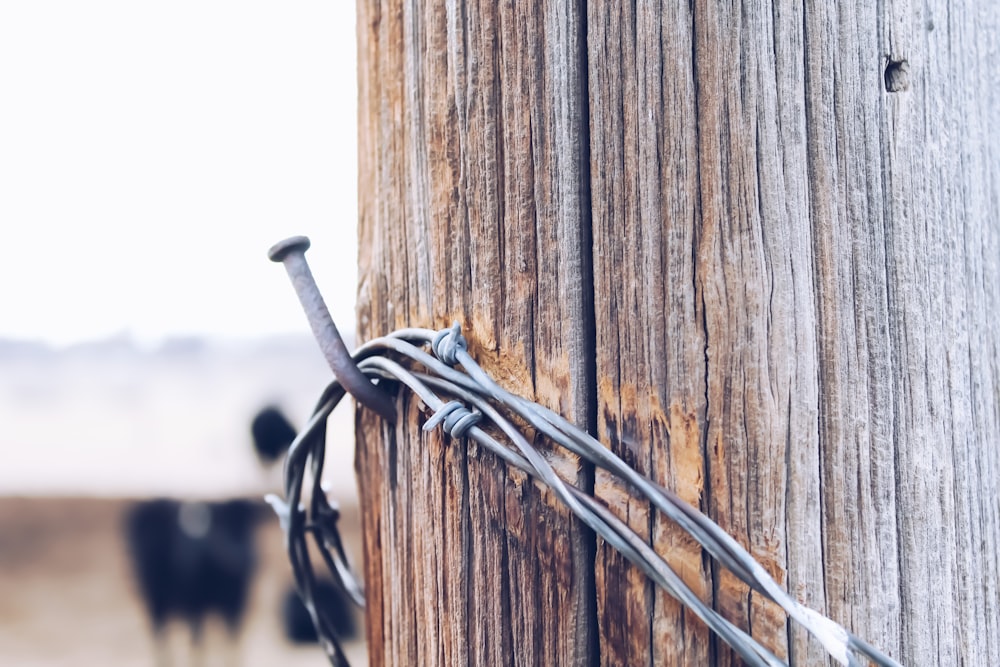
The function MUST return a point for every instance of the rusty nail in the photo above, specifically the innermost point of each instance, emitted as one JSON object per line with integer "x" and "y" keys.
{"x": 291, "y": 253}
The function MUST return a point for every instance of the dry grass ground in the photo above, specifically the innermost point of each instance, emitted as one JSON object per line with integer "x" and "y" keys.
{"x": 66, "y": 596}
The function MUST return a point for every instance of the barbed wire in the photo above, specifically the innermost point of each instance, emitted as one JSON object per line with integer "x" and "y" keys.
{"x": 463, "y": 400}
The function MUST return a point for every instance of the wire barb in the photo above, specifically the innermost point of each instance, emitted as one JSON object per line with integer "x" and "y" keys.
{"x": 448, "y": 342}
{"x": 457, "y": 419}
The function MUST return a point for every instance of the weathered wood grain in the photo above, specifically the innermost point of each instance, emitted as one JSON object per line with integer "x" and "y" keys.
{"x": 651, "y": 384}
{"x": 757, "y": 248}
{"x": 473, "y": 207}
{"x": 940, "y": 177}
{"x": 801, "y": 260}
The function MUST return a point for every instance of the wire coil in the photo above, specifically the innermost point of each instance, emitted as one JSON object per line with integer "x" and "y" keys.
{"x": 473, "y": 398}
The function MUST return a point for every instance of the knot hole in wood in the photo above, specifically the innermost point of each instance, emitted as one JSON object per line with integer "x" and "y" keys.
{"x": 897, "y": 75}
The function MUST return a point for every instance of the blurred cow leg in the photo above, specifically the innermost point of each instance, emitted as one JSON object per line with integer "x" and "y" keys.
{"x": 234, "y": 650}
{"x": 161, "y": 647}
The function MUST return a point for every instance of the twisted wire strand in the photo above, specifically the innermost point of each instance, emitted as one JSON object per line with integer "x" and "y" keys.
{"x": 839, "y": 643}
{"x": 593, "y": 513}
{"x": 490, "y": 403}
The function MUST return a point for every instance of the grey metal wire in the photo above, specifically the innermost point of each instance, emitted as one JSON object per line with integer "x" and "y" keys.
{"x": 473, "y": 398}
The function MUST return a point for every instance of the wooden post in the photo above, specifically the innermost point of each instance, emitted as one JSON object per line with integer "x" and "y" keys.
{"x": 755, "y": 249}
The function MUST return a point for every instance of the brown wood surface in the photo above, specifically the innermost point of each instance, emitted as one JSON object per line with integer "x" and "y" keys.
{"x": 757, "y": 249}
{"x": 473, "y": 208}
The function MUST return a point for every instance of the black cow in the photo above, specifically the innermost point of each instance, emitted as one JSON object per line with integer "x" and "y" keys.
{"x": 193, "y": 559}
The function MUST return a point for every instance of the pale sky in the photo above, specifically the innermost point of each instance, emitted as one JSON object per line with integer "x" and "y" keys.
{"x": 151, "y": 152}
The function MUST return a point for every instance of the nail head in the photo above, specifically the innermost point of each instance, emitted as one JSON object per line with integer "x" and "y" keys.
{"x": 281, "y": 249}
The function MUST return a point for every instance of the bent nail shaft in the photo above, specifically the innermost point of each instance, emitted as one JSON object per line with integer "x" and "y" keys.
{"x": 291, "y": 253}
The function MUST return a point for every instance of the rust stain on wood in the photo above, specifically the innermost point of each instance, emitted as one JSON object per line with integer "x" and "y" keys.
{"x": 613, "y": 492}
{"x": 554, "y": 379}
{"x": 506, "y": 366}
{"x": 686, "y": 448}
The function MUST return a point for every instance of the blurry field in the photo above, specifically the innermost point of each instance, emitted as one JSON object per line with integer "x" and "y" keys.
{"x": 67, "y": 596}
{"x": 84, "y": 430}
{"x": 111, "y": 419}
